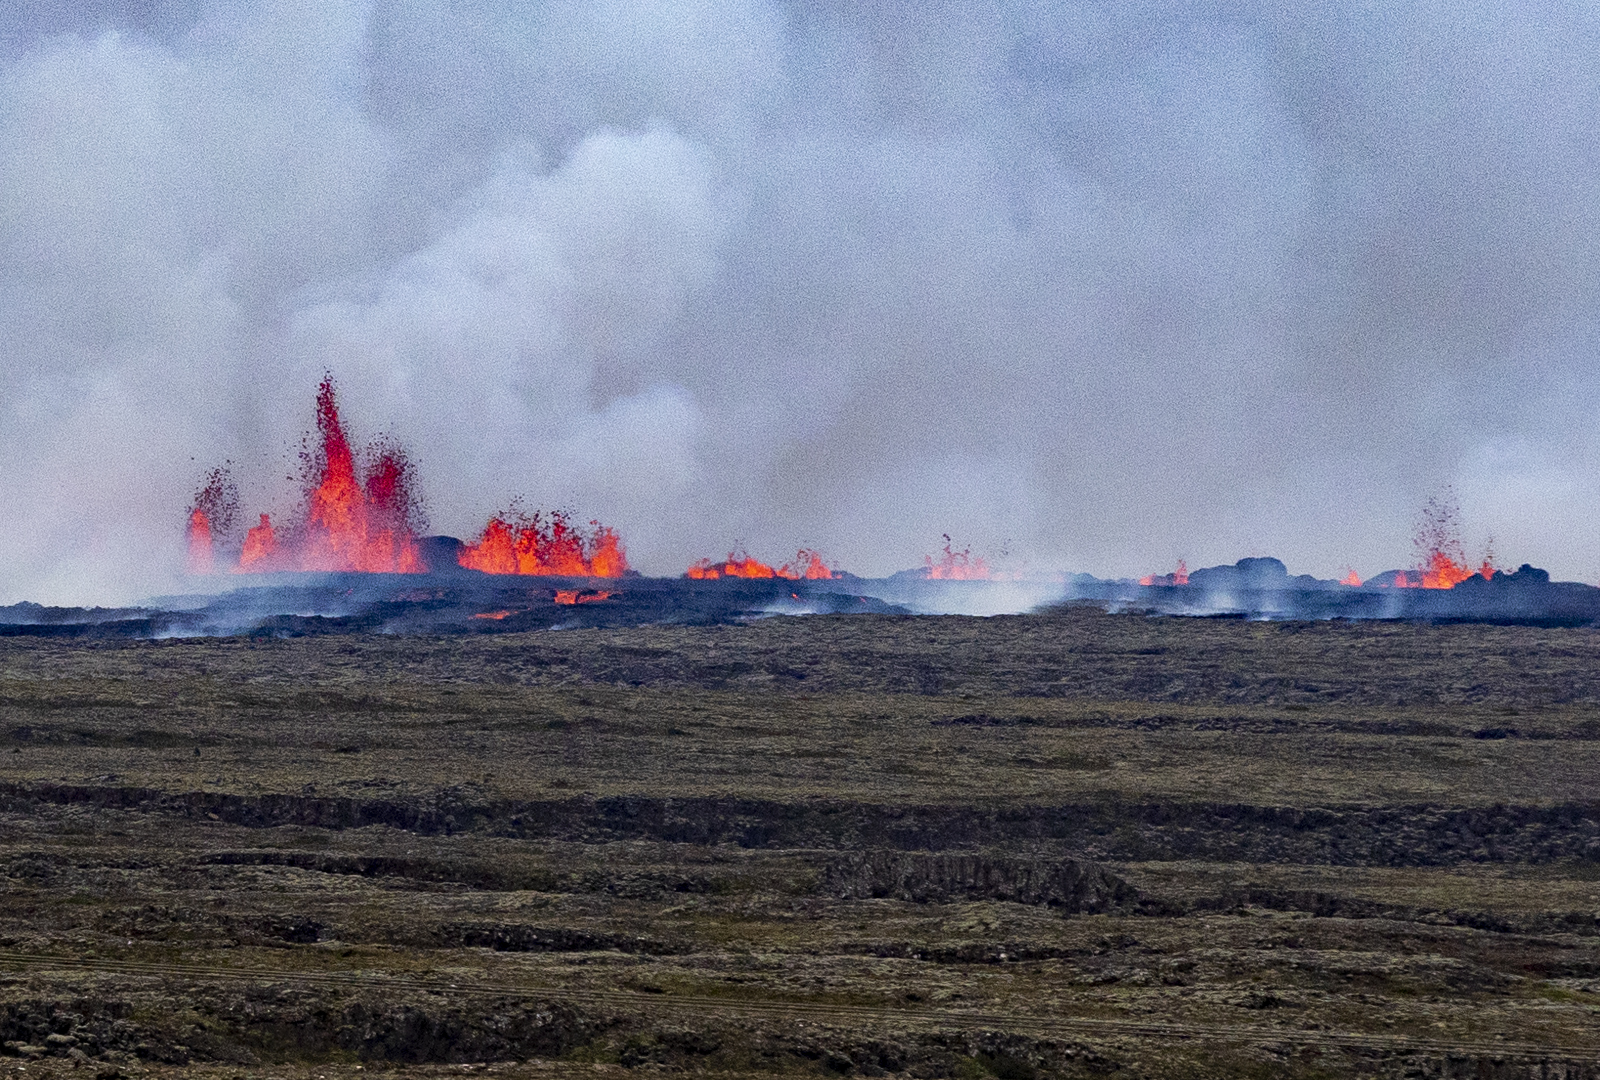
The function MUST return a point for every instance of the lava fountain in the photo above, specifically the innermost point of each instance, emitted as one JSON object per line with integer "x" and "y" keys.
{"x": 357, "y": 515}
{"x": 1441, "y": 558}
{"x": 806, "y": 565}
{"x": 960, "y": 565}
{"x": 1180, "y": 576}
{"x": 360, "y": 513}
{"x": 533, "y": 544}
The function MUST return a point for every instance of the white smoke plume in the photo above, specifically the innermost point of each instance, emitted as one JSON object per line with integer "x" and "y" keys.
{"x": 1093, "y": 284}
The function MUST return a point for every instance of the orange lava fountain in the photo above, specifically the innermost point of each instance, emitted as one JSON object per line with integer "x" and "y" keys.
{"x": 354, "y": 520}
{"x": 513, "y": 544}
{"x": 805, "y": 566}
{"x": 1440, "y": 572}
{"x": 360, "y": 512}
{"x": 1180, "y": 576}
{"x": 956, "y": 565}
{"x": 1442, "y": 559}
{"x": 211, "y": 519}
{"x": 260, "y": 545}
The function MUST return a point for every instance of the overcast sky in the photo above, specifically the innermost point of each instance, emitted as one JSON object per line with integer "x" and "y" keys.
{"x": 1086, "y": 286}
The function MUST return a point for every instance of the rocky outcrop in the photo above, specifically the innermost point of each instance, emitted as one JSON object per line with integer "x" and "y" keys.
{"x": 939, "y": 877}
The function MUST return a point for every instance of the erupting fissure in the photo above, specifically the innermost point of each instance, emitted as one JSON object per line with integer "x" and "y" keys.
{"x": 1441, "y": 558}
{"x": 1180, "y": 576}
{"x": 960, "y": 565}
{"x": 513, "y": 543}
{"x": 360, "y": 512}
{"x": 806, "y": 565}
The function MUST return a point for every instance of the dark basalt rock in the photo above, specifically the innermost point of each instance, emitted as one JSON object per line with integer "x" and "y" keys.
{"x": 453, "y": 600}
{"x": 1262, "y": 574}
{"x": 939, "y": 877}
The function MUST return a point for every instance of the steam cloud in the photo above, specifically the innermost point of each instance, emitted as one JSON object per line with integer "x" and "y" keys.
{"x": 1096, "y": 285}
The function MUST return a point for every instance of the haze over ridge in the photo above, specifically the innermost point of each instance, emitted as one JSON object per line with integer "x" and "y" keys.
{"x": 1096, "y": 285}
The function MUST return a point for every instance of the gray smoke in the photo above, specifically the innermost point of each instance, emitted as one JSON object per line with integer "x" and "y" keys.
{"x": 1086, "y": 286}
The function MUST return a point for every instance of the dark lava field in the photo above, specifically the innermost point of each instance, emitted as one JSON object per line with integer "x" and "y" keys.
{"x": 1068, "y": 844}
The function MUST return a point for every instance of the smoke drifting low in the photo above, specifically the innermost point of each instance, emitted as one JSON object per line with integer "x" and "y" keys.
{"x": 1091, "y": 285}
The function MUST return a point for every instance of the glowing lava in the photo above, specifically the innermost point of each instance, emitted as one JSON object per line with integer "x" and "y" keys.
{"x": 577, "y": 596}
{"x": 359, "y": 512}
{"x": 956, "y": 565}
{"x": 260, "y": 546}
{"x": 1440, "y": 572}
{"x": 201, "y": 558}
{"x": 515, "y": 544}
{"x": 1180, "y": 576}
{"x": 211, "y": 519}
{"x": 1352, "y": 579}
{"x": 735, "y": 565}
{"x": 362, "y": 520}
{"x": 361, "y": 523}
{"x": 805, "y": 566}
{"x": 1442, "y": 561}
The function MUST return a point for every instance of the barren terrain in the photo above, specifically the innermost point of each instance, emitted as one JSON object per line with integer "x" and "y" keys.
{"x": 1069, "y": 844}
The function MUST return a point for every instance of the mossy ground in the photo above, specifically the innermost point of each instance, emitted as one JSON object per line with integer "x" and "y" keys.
{"x": 1362, "y": 850}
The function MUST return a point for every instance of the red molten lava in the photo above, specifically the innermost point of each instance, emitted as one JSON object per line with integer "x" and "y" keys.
{"x": 957, "y": 565}
{"x": 514, "y": 544}
{"x": 200, "y": 554}
{"x": 1180, "y": 576}
{"x": 735, "y": 565}
{"x": 356, "y": 522}
{"x": 1440, "y": 572}
{"x": 360, "y": 513}
{"x": 260, "y": 546}
{"x": 577, "y": 596}
{"x": 805, "y": 566}
{"x": 357, "y": 514}
{"x": 1352, "y": 579}
{"x": 211, "y": 519}
{"x": 1442, "y": 561}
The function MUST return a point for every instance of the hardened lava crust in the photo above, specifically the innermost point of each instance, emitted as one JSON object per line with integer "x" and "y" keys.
{"x": 1068, "y": 844}
{"x": 451, "y": 599}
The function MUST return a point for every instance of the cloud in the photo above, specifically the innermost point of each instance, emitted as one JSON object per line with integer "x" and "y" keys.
{"x": 1101, "y": 284}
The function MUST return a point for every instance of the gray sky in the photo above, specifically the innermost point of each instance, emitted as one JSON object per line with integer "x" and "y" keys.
{"x": 1087, "y": 286}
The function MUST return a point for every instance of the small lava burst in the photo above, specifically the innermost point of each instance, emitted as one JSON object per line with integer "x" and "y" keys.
{"x": 806, "y": 565}
{"x": 955, "y": 565}
{"x": 578, "y": 596}
{"x": 212, "y": 515}
{"x": 1180, "y": 576}
{"x": 1442, "y": 561}
{"x": 538, "y": 545}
